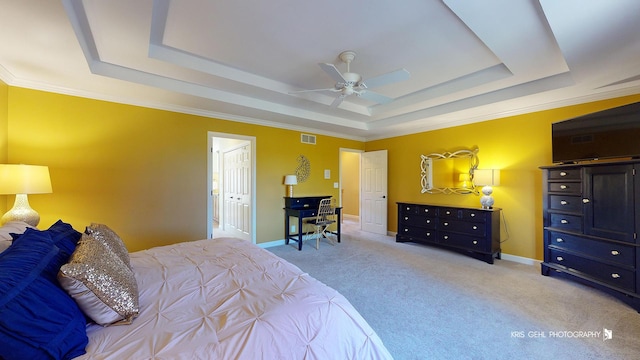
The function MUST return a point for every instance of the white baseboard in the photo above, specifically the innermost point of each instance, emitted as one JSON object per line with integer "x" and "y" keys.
{"x": 519, "y": 259}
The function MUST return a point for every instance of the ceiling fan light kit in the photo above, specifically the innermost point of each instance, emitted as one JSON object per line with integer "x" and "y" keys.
{"x": 350, "y": 83}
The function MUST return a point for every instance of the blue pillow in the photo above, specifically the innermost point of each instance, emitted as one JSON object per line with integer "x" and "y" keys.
{"x": 38, "y": 320}
{"x": 64, "y": 237}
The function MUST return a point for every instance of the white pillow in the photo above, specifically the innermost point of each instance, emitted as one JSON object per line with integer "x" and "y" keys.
{"x": 11, "y": 227}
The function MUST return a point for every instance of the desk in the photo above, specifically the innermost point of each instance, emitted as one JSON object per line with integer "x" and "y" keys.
{"x": 303, "y": 207}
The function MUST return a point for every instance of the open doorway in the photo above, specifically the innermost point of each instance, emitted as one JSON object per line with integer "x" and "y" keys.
{"x": 231, "y": 186}
{"x": 350, "y": 186}
{"x": 363, "y": 189}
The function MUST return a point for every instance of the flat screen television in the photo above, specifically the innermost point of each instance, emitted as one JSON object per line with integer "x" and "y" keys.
{"x": 613, "y": 133}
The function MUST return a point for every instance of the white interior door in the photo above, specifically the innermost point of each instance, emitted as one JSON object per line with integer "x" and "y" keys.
{"x": 237, "y": 192}
{"x": 373, "y": 192}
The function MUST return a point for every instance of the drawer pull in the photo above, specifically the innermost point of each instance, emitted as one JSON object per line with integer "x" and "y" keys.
{"x": 559, "y": 258}
{"x": 428, "y": 221}
{"x": 564, "y": 221}
{"x": 448, "y": 212}
{"x": 563, "y": 202}
{"x": 559, "y": 240}
{"x": 615, "y": 252}
{"x": 446, "y": 224}
{"x": 473, "y": 214}
{"x": 426, "y": 210}
{"x": 406, "y": 218}
{"x": 475, "y": 227}
{"x": 446, "y": 237}
{"x": 406, "y": 230}
{"x": 563, "y": 173}
{"x": 475, "y": 242}
{"x": 585, "y": 201}
{"x": 615, "y": 276}
{"x": 563, "y": 187}
{"x": 428, "y": 234}
{"x": 408, "y": 208}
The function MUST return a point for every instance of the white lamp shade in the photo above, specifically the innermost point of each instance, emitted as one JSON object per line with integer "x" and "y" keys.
{"x": 290, "y": 180}
{"x": 489, "y": 177}
{"x": 24, "y": 179}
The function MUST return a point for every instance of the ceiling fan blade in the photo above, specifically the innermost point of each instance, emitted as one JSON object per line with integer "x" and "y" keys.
{"x": 333, "y": 71}
{"x": 338, "y": 101}
{"x": 388, "y": 78}
{"x": 375, "y": 97}
{"x": 312, "y": 90}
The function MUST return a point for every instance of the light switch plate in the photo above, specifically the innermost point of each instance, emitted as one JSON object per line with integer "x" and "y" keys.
{"x": 327, "y": 174}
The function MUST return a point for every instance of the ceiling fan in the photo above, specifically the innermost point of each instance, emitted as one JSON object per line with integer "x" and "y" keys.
{"x": 350, "y": 83}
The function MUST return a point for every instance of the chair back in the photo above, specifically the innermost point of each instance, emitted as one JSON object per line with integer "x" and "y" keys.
{"x": 325, "y": 209}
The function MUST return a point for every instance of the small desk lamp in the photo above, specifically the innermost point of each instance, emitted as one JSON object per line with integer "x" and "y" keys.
{"x": 488, "y": 178}
{"x": 290, "y": 180}
{"x": 22, "y": 180}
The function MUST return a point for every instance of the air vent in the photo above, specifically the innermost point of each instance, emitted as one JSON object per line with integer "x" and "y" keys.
{"x": 308, "y": 139}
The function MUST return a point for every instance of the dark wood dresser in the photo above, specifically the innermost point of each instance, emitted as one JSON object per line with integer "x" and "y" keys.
{"x": 591, "y": 219}
{"x": 472, "y": 231}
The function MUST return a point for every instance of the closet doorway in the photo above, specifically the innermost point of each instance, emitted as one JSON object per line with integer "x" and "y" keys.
{"x": 231, "y": 186}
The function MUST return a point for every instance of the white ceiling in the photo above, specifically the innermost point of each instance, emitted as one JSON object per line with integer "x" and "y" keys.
{"x": 469, "y": 60}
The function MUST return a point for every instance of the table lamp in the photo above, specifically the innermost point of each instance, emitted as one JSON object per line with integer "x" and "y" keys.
{"x": 486, "y": 178}
{"x": 290, "y": 180}
{"x": 22, "y": 180}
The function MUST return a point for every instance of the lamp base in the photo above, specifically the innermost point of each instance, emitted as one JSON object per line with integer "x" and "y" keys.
{"x": 486, "y": 200}
{"x": 21, "y": 211}
{"x": 290, "y": 191}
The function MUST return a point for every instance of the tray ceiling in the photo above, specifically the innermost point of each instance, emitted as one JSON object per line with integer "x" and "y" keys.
{"x": 241, "y": 60}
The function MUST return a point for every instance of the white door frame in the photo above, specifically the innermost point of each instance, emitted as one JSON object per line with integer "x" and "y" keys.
{"x": 251, "y": 139}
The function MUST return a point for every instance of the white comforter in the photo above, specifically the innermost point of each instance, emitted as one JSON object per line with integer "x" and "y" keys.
{"x": 229, "y": 299}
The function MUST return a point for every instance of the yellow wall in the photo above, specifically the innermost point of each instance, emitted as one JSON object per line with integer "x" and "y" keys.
{"x": 4, "y": 117}
{"x": 144, "y": 171}
{"x": 517, "y": 145}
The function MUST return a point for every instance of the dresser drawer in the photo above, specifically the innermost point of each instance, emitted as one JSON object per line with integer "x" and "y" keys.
{"x": 426, "y": 210}
{"x": 567, "y": 174}
{"x": 471, "y": 228}
{"x": 449, "y": 213}
{"x": 606, "y": 251}
{"x": 612, "y": 275}
{"x": 418, "y": 220}
{"x": 408, "y": 208}
{"x": 472, "y": 215}
{"x": 566, "y": 222}
{"x": 418, "y": 233}
{"x": 565, "y": 187}
{"x": 566, "y": 203}
{"x": 472, "y": 243}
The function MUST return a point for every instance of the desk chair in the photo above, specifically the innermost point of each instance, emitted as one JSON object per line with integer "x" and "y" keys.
{"x": 324, "y": 218}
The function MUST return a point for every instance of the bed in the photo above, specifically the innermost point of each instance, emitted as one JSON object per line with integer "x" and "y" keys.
{"x": 212, "y": 299}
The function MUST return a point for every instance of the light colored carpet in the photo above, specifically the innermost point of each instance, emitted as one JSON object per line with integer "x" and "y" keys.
{"x": 429, "y": 303}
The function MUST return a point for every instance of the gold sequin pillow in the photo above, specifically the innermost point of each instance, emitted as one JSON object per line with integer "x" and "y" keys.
{"x": 100, "y": 282}
{"x": 110, "y": 239}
